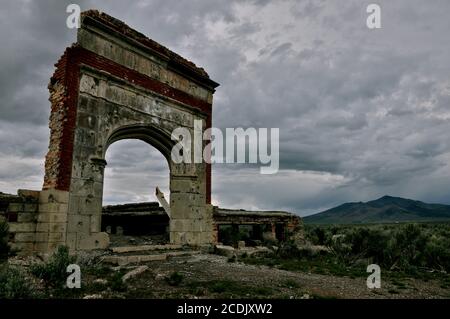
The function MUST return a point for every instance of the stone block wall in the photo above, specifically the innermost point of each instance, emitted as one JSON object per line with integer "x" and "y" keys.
{"x": 21, "y": 212}
{"x": 115, "y": 83}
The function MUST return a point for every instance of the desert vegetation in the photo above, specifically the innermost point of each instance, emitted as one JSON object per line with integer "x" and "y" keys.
{"x": 418, "y": 251}
{"x": 405, "y": 247}
{"x": 409, "y": 255}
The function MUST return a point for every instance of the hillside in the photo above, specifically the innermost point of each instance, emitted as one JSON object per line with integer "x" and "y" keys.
{"x": 386, "y": 209}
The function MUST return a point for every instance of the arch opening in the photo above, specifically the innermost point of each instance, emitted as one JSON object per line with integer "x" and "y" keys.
{"x": 131, "y": 213}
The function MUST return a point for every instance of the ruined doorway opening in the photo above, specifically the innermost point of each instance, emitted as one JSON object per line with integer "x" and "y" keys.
{"x": 131, "y": 213}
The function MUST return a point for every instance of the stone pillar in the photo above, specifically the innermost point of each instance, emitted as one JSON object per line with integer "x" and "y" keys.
{"x": 84, "y": 230}
{"x": 274, "y": 231}
{"x": 191, "y": 220}
{"x": 257, "y": 232}
{"x": 215, "y": 233}
{"x": 51, "y": 228}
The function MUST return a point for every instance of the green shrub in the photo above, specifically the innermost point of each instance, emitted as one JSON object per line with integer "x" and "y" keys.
{"x": 13, "y": 284}
{"x": 405, "y": 249}
{"x": 220, "y": 286}
{"x": 175, "y": 279}
{"x": 368, "y": 243}
{"x": 54, "y": 271}
{"x": 436, "y": 254}
{"x": 117, "y": 283}
{"x": 4, "y": 236}
{"x": 288, "y": 250}
{"x": 409, "y": 248}
{"x": 317, "y": 235}
{"x": 341, "y": 249}
{"x": 231, "y": 236}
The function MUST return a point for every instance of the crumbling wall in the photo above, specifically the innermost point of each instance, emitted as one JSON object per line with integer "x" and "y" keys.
{"x": 115, "y": 83}
{"x": 278, "y": 225}
{"x": 21, "y": 213}
{"x": 135, "y": 219}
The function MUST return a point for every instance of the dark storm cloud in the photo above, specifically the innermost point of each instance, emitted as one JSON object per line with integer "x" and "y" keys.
{"x": 362, "y": 113}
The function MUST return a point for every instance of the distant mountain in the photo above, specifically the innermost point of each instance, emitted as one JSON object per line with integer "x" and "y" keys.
{"x": 386, "y": 209}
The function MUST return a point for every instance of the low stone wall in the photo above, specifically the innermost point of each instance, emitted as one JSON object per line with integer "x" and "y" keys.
{"x": 281, "y": 225}
{"x": 40, "y": 221}
{"x": 21, "y": 213}
{"x": 135, "y": 219}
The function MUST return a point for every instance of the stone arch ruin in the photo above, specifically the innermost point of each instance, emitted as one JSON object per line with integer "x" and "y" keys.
{"x": 114, "y": 83}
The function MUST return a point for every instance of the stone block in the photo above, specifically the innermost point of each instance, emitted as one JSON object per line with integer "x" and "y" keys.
{"x": 223, "y": 250}
{"x": 198, "y": 212}
{"x": 78, "y": 223}
{"x": 57, "y": 237}
{"x": 41, "y": 237}
{"x": 53, "y": 196}
{"x": 24, "y": 237}
{"x": 26, "y": 217}
{"x": 51, "y": 227}
{"x": 90, "y": 205}
{"x": 180, "y": 225}
{"x": 30, "y": 208}
{"x": 52, "y": 218}
{"x": 71, "y": 241}
{"x": 199, "y": 225}
{"x": 53, "y": 208}
{"x": 93, "y": 241}
{"x": 26, "y": 193}
{"x": 74, "y": 204}
{"x": 22, "y": 227}
{"x": 82, "y": 187}
{"x": 178, "y": 238}
{"x": 180, "y": 210}
{"x": 183, "y": 186}
{"x": 23, "y": 248}
{"x": 146, "y": 258}
{"x": 206, "y": 237}
{"x": 15, "y": 207}
{"x": 95, "y": 224}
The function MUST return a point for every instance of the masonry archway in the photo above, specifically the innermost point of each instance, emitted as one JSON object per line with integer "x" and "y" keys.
{"x": 116, "y": 84}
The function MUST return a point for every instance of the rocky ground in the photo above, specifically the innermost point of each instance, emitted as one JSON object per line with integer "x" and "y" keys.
{"x": 212, "y": 276}
{"x": 207, "y": 275}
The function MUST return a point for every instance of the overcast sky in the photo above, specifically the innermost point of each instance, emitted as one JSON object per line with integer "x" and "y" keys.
{"x": 362, "y": 113}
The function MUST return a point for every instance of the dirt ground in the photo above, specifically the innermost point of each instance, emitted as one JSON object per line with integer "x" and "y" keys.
{"x": 212, "y": 276}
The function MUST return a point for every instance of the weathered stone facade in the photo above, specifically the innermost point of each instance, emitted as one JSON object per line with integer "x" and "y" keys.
{"x": 21, "y": 213}
{"x": 279, "y": 225}
{"x": 114, "y": 84}
{"x": 150, "y": 218}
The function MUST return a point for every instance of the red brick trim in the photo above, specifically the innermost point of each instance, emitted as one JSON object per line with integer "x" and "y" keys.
{"x": 101, "y": 63}
{"x": 67, "y": 73}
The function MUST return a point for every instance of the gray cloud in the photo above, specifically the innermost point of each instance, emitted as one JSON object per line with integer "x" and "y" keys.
{"x": 362, "y": 113}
